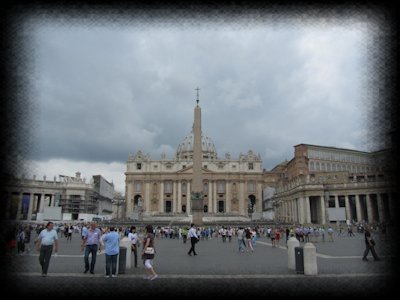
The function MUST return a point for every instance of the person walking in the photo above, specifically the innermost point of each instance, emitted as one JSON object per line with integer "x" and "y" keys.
{"x": 148, "y": 247}
{"x": 330, "y": 233}
{"x": 91, "y": 243}
{"x": 249, "y": 243}
{"x": 184, "y": 233}
{"x": 241, "y": 237}
{"x": 111, "y": 242}
{"x": 193, "y": 239}
{"x": 369, "y": 245}
{"x": 46, "y": 240}
{"x": 133, "y": 237}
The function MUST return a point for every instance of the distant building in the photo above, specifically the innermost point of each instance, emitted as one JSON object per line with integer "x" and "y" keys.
{"x": 323, "y": 185}
{"x": 66, "y": 199}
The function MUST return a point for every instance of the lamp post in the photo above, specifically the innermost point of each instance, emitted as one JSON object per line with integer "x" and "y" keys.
{"x": 118, "y": 209}
{"x": 140, "y": 206}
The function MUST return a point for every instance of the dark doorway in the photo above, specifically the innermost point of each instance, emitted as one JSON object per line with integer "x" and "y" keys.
{"x": 168, "y": 206}
{"x": 252, "y": 203}
{"x": 205, "y": 208}
{"x": 220, "y": 206}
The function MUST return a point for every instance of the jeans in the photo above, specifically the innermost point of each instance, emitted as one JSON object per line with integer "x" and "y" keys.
{"x": 90, "y": 249}
{"x": 44, "y": 257}
{"x": 111, "y": 264}
{"x": 242, "y": 244}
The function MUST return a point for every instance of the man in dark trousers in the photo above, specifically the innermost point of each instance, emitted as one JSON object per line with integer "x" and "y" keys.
{"x": 369, "y": 245}
{"x": 193, "y": 239}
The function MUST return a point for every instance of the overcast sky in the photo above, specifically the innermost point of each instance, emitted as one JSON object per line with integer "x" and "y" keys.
{"x": 104, "y": 92}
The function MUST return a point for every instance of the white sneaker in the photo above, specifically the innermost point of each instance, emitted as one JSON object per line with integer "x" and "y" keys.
{"x": 106, "y": 276}
{"x": 114, "y": 276}
{"x": 154, "y": 277}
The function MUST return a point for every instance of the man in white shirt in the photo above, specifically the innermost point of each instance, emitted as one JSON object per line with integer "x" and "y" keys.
{"x": 193, "y": 239}
{"x": 47, "y": 238}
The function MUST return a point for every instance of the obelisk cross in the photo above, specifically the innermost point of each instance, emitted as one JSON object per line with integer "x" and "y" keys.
{"x": 197, "y": 100}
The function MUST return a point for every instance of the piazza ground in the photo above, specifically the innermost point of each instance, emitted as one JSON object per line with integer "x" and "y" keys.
{"x": 218, "y": 269}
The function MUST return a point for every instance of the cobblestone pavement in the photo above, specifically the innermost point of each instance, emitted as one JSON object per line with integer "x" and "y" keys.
{"x": 219, "y": 269}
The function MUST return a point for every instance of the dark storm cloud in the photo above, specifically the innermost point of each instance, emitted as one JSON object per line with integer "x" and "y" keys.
{"x": 106, "y": 92}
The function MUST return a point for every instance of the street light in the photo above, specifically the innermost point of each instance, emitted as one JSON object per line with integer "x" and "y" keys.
{"x": 140, "y": 206}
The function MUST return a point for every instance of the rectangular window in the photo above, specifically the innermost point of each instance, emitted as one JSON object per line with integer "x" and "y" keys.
{"x": 342, "y": 202}
{"x": 220, "y": 187}
{"x": 205, "y": 188}
{"x": 251, "y": 166}
{"x": 251, "y": 187}
{"x": 168, "y": 187}
{"x": 331, "y": 202}
{"x": 184, "y": 187}
{"x": 139, "y": 166}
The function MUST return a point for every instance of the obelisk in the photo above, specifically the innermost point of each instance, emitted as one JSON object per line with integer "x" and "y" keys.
{"x": 197, "y": 181}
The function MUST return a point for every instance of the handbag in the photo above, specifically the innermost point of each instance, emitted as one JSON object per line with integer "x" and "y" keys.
{"x": 149, "y": 250}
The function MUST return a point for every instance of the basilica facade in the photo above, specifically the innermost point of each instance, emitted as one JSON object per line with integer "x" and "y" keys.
{"x": 161, "y": 189}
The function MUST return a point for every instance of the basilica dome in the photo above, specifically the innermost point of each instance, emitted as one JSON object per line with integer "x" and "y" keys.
{"x": 185, "y": 148}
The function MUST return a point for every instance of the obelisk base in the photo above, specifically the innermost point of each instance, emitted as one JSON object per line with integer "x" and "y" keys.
{"x": 197, "y": 208}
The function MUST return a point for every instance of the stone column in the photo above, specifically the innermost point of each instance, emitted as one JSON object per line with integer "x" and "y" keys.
{"x": 381, "y": 214}
{"x": 241, "y": 199}
{"x": 347, "y": 204}
{"x": 174, "y": 198}
{"x": 179, "y": 196}
{"x": 128, "y": 197}
{"x": 215, "y": 198}
{"x": 146, "y": 203}
{"x": 286, "y": 211}
{"x": 301, "y": 210}
{"x": 358, "y": 208}
{"x": 259, "y": 198}
{"x": 336, "y": 201}
{"x": 188, "y": 200}
{"x": 161, "y": 203}
{"x": 210, "y": 197}
{"x": 41, "y": 208}
{"x": 323, "y": 209}
{"x": 307, "y": 210}
{"x": 392, "y": 207}
{"x": 369, "y": 208}
{"x": 227, "y": 196}
{"x": 19, "y": 215}
{"x": 30, "y": 207}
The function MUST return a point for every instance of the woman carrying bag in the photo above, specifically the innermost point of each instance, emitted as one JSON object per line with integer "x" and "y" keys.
{"x": 148, "y": 253}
